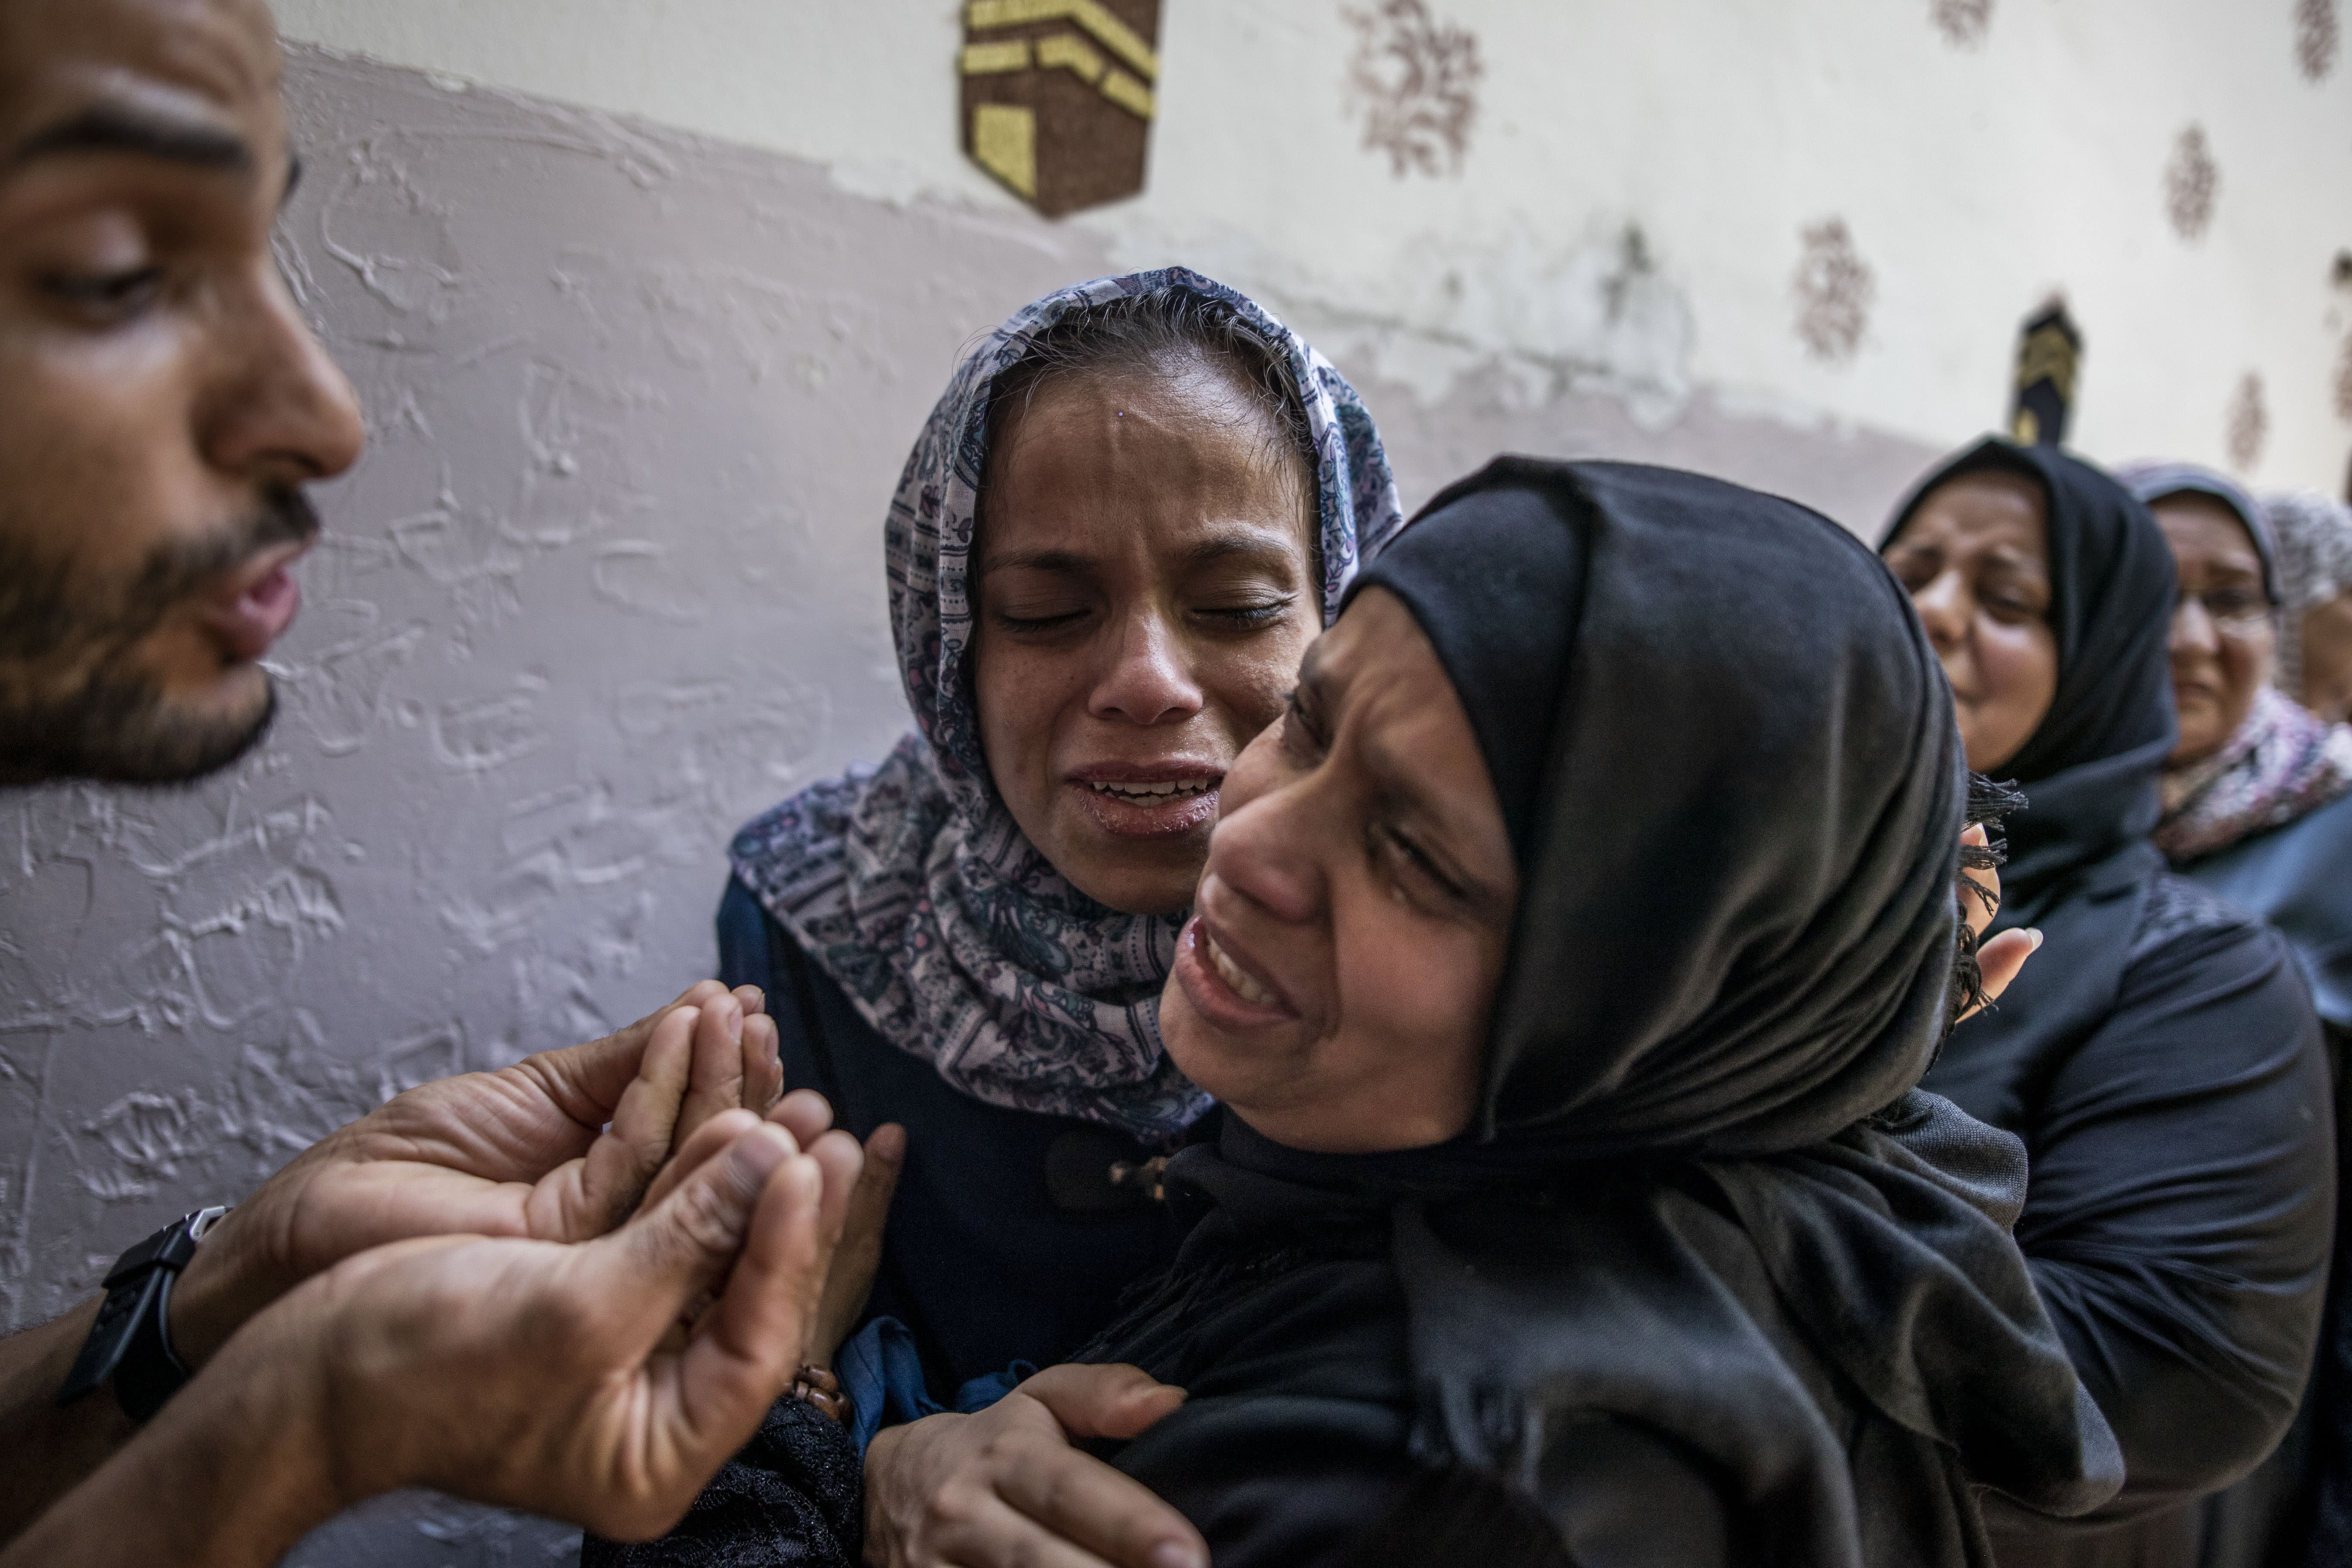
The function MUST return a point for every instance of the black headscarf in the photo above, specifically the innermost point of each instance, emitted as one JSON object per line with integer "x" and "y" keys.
{"x": 1728, "y": 761}
{"x": 2079, "y": 859}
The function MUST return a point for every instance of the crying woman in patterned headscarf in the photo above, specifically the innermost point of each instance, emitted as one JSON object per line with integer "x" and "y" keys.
{"x": 1132, "y": 508}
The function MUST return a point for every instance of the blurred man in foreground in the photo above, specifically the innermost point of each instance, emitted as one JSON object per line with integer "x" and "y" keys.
{"x": 451, "y": 1292}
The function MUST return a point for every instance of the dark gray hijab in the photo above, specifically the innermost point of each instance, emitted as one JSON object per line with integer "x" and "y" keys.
{"x": 2079, "y": 863}
{"x": 1699, "y": 1194}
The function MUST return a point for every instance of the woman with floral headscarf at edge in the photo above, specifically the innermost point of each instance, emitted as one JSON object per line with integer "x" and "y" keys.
{"x": 2161, "y": 1059}
{"x": 2314, "y": 654}
{"x": 1133, "y": 507}
{"x": 2258, "y": 810}
{"x": 2258, "y": 791}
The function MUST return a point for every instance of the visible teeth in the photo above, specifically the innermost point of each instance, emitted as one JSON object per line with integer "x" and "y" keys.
{"x": 1161, "y": 790}
{"x": 1248, "y": 990}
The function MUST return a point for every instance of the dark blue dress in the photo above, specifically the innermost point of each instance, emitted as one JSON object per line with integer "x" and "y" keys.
{"x": 979, "y": 1261}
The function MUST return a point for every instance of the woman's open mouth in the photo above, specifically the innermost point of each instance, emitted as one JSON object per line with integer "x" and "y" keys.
{"x": 1221, "y": 988}
{"x": 1146, "y": 801}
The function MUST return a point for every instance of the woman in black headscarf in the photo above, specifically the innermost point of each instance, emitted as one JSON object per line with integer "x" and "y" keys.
{"x": 2160, "y": 1058}
{"x": 1668, "y": 1264}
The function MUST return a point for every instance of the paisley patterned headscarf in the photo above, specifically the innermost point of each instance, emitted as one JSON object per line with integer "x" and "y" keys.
{"x": 910, "y": 884}
{"x": 2315, "y": 564}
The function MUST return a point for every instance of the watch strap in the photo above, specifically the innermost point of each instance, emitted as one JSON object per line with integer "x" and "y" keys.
{"x": 132, "y": 1340}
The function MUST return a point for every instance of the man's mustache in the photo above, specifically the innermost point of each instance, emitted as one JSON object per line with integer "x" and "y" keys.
{"x": 43, "y": 613}
{"x": 182, "y": 571}
{"x": 284, "y": 517}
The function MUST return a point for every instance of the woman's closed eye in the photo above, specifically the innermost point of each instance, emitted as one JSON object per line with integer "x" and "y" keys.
{"x": 2010, "y": 604}
{"x": 1042, "y": 617}
{"x": 1415, "y": 876}
{"x": 1249, "y": 616}
{"x": 1302, "y": 728}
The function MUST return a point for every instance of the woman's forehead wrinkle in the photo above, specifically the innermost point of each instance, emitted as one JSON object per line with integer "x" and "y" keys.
{"x": 1064, "y": 562}
{"x": 1226, "y": 539}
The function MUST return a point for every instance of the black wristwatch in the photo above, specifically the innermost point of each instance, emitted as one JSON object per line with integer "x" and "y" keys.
{"x": 132, "y": 1340}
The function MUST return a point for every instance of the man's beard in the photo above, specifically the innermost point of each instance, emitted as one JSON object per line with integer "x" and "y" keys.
{"x": 115, "y": 723}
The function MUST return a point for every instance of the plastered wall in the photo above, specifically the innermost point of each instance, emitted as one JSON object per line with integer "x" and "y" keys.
{"x": 609, "y": 577}
{"x": 1927, "y": 169}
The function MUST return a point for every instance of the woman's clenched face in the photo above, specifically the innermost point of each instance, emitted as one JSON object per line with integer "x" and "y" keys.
{"x": 1334, "y": 985}
{"x": 1146, "y": 586}
{"x": 1975, "y": 557}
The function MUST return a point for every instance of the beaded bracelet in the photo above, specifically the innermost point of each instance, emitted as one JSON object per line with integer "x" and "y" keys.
{"x": 819, "y": 1390}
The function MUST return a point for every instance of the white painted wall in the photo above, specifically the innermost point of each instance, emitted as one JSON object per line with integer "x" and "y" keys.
{"x": 1973, "y": 178}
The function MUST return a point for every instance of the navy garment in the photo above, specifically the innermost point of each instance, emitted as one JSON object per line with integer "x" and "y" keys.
{"x": 2298, "y": 1506}
{"x": 977, "y": 1260}
{"x": 2177, "y": 1218}
{"x": 2160, "y": 1059}
{"x": 2298, "y": 877}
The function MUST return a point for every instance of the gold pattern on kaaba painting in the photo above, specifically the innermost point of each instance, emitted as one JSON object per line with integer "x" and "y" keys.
{"x": 1093, "y": 16}
{"x": 2048, "y": 367}
{"x": 2048, "y": 355}
{"x": 983, "y": 59}
{"x": 1005, "y": 142}
{"x": 1057, "y": 103}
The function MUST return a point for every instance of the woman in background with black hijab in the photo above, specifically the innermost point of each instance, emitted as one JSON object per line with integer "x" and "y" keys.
{"x": 1668, "y": 1266}
{"x": 2161, "y": 1060}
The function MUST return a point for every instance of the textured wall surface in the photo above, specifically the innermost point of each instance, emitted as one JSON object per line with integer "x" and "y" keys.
{"x": 1847, "y": 206}
{"x": 607, "y": 581}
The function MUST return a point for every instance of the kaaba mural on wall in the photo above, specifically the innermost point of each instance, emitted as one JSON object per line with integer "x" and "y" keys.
{"x": 1058, "y": 97}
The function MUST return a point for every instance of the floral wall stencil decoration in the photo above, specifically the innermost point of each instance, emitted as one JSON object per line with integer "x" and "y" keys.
{"x": 1415, "y": 79}
{"x": 2340, "y": 275}
{"x": 2191, "y": 183}
{"x": 1963, "y": 23}
{"x": 1835, "y": 288}
{"x": 1059, "y": 95}
{"x": 2317, "y": 38}
{"x": 2249, "y": 422}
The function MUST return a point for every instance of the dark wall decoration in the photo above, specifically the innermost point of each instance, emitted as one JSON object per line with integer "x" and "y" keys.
{"x": 1835, "y": 288}
{"x": 2191, "y": 183}
{"x": 2249, "y": 422}
{"x": 2049, "y": 367}
{"x": 1415, "y": 81}
{"x": 2317, "y": 38}
{"x": 1963, "y": 23}
{"x": 1059, "y": 97}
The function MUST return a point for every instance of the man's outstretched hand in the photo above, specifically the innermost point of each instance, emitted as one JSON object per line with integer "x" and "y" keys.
{"x": 526, "y": 1372}
{"x": 559, "y": 1147}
